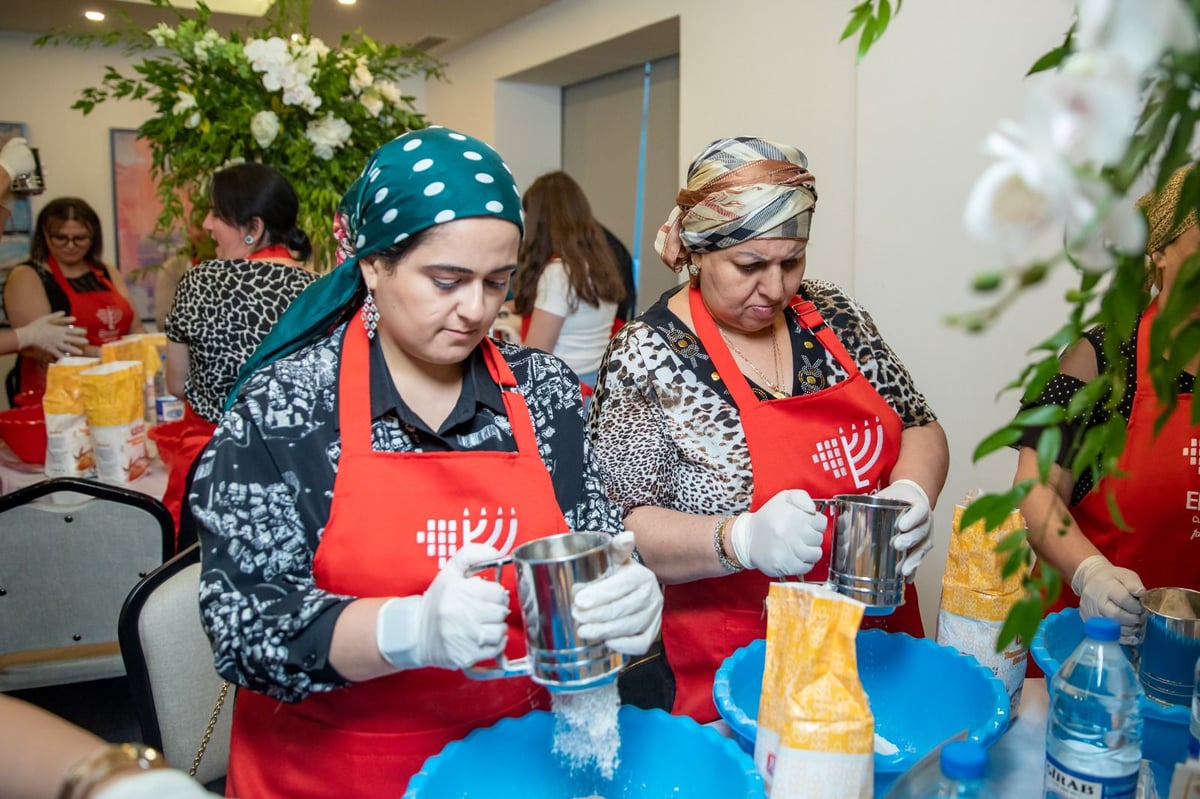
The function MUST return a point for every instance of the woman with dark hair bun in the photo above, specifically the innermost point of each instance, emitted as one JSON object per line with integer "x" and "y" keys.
{"x": 224, "y": 307}
{"x": 65, "y": 274}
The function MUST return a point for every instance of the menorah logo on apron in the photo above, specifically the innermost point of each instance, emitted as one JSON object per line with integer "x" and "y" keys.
{"x": 443, "y": 537}
{"x": 853, "y": 454}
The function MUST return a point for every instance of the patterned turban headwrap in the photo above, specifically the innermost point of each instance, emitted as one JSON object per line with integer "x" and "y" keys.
{"x": 418, "y": 180}
{"x": 738, "y": 189}
{"x": 1160, "y": 211}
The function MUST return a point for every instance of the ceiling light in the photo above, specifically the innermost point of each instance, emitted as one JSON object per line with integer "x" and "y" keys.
{"x": 94, "y": 16}
{"x": 245, "y": 8}
{"x": 347, "y": 2}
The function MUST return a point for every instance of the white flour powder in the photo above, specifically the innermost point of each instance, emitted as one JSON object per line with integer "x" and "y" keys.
{"x": 585, "y": 728}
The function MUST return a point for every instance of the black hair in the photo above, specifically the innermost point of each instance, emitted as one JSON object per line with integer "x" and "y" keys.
{"x": 244, "y": 191}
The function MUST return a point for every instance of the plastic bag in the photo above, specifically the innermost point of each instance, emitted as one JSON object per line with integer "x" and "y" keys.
{"x": 976, "y": 600}
{"x": 815, "y": 729}
{"x": 69, "y": 450}
{"x": 113, "y": 398}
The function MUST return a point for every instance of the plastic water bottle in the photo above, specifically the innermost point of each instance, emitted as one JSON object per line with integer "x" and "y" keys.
{"x": 963, "y": 766}
{"x": 1194, "y": 738}
{"x": 1094, "y": 724}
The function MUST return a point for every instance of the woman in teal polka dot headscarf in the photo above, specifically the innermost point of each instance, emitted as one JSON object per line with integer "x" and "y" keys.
{"x": 382, "y": 448}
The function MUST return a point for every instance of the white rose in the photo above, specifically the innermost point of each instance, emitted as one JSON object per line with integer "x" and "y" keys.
{"x": 193, "y": 120}
{"x": 327, "y": 134}
{"x": 389, "y": 91}
{"x": 186, "y": 102}
{"x": 265, "y": 55}
{"x": 372, "y": 102}
{"x": 264, "y": 127}
{"x": 361, "y": 78}
{"x": 161, "y": 34}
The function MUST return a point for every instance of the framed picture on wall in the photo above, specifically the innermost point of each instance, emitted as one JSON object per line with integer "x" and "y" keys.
{"x": 14, "y": 242}
{"x": 135, "y": 209}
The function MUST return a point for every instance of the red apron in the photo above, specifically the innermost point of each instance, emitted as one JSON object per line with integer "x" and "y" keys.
{"x": 1158, "y": 491}
{"x": 810, "y": 441}
{"x": 106, "y": 315}
{"x": 180, "y": 443}
{"x": 396, "y": 518}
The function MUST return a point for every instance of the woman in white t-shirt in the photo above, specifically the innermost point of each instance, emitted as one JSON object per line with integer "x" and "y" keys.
{"x": 568, "y": 283}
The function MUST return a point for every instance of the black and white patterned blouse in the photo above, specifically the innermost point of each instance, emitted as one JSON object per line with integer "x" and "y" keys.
{"x": 1062, "y": 388}
{"x": 223, "y": 309}
{"x": 665, "y": 429}
{"x": 264, "y": 486}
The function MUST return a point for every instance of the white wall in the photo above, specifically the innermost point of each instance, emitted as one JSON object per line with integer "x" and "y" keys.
{"x": 894, "y": 143}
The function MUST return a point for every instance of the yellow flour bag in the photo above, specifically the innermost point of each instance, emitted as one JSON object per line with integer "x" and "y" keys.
{"x": 816, "y": 734}
{"x": 138, "y": 347}
{"x": 112, "y": 395}
{"x": 69, "y": 451}
{"x": 976, "y": 600}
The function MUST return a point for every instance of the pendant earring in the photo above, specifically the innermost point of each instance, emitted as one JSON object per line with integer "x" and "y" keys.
{"x": 370, "y": 315}
{"x": 249, "y": 239}
{"x": 693, "y": 270}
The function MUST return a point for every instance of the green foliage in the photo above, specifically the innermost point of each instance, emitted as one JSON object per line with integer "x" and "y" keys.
{"x": 869, "y": 19}
{"x": 334, "y": 107}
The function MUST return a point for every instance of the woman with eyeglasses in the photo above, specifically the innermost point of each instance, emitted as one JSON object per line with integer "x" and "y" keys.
{"x": 66, "y": 274}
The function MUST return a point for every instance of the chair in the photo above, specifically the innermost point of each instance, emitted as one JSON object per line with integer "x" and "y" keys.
{"x": 70, "y": 550}
{"x": 170, "y": 665}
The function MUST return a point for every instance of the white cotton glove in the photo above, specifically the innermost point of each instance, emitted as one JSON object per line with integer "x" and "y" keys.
{"x": 456, "y": 623}
{"x": 781, "y": 538}
{"x": 16, "y": 158}
{"x": 623, "y": 608}
{"x": 1107, "y": 590}
{"x": 913, "y": 528}
{"x": 54, "y": 334}
{"x": 155, "y": 784}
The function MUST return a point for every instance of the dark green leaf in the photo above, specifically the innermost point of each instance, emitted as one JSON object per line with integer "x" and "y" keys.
{"x": 1041, "y": 416}
{"x": 1004, "y": 437}
{"x": 1013, "y": 541}
{"x": 1048, "y": 448}
{"x": 1049, "y": 60}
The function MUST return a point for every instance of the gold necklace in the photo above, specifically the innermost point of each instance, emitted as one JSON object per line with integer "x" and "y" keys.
{"x": 774, "y": 386}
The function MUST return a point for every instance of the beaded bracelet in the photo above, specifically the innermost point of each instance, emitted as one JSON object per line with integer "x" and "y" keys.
{"x": 730, "y": 565}
{"x": 102, "y": 764}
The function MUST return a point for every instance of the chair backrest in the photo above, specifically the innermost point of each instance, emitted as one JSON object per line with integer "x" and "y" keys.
{"x": 170, "y": 665}
{"x": 70, "y": 551}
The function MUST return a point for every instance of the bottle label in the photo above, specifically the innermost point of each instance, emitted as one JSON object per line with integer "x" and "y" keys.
{"x": 1064, "y": 783}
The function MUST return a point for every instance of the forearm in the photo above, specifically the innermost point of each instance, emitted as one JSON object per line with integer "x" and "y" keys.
{"x": 924, "y": 458}
{"x": 544, "y": 328}
{"x": 37, "y": 749}
{"x": 676, "y": 546}
{"x": 354, "y": 652}
{"x": 1053, "y": 532}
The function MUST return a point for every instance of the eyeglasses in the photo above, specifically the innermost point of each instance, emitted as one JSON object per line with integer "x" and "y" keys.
{"x": 78, "y": 241}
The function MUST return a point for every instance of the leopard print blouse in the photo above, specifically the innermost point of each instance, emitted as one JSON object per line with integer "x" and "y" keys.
{"x": 667, "y": 434}
{"x": 223, "y": 309}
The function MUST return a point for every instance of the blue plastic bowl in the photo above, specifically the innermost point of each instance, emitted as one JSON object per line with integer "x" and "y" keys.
{"x": 921, "y": 694}
{"x": 661, "y": 756}
{"x": 1164, "y": 727}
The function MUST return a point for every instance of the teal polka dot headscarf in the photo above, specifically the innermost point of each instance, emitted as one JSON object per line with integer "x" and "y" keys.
{"x": 418, "y": 180}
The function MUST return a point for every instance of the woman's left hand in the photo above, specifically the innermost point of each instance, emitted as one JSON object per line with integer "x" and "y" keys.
{"x": 913, "y": 527}
{"x": 623, "y": 608}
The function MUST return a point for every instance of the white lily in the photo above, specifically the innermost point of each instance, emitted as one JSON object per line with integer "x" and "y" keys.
{"x": 1087, "y": 111}
{"x": 1101, "y": 223}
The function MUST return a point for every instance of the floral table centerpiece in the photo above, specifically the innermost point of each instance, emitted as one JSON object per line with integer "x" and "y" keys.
{"x": 277, "y": 95}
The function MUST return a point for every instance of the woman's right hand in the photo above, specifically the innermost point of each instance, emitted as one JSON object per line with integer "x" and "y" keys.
{"x": 781, "y": 538}
{"x": 456, "y": 623}
{"x": 54, "y": 334}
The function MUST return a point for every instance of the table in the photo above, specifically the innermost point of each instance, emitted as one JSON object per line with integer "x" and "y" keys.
{"x": 15, "y": 474}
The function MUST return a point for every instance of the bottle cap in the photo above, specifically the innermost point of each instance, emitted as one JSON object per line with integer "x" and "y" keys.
{"x": 963, "y": 760}
{"x": 1101, "y": 628}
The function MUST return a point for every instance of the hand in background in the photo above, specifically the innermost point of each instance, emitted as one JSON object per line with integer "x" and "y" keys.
{"x": 54, "y": 334}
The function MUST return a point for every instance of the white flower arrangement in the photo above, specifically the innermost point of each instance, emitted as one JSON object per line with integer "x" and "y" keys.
{"x": 276, "y": 95}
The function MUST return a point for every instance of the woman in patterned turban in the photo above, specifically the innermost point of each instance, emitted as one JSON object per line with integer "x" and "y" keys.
{"x": 727, "y": 407}
{"x": 1108, "y": 565}
{"x": 379, "y": 446}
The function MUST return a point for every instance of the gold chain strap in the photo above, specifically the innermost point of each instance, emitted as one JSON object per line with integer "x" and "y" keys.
{"x": 208, "y": 731}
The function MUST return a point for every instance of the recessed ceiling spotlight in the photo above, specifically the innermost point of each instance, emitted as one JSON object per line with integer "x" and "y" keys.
{"x": 94, "y": 16}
